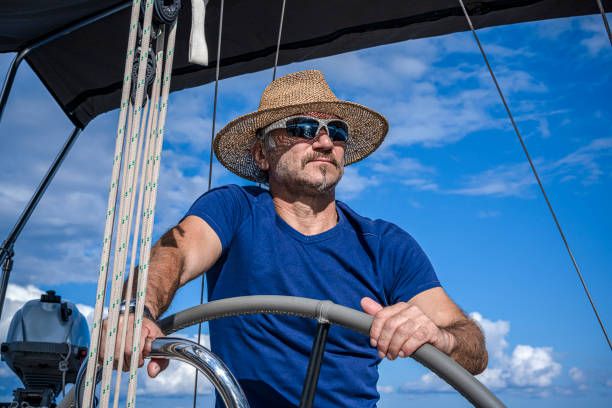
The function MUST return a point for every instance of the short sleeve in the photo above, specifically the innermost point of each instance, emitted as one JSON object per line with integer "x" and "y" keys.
{"x": 413, "y": 273}
{"x": 224, "y": 209}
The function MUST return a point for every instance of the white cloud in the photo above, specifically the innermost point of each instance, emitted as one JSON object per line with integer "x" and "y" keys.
{"x": 395, "y": 165}
{"x": 16, "y": 297}
{"x": 177, "y": 379}
{"x": 533, "y": 366}
{"x": 465, "y": 43}
{"x": 595, "y": 44}
{"x": 585, "y": 160}
{"x": 553, "y": 29}
{"x": 5, "y": 372}
{"x": 519, "y": 81}
{"x": 408, "y": 67}
{"x": 353, "y": 183}
{"x": 22, "y": 294}
{"x": 494, "y": 378}
{"x": 385, "y": 389}
{"x": 500, "y": 181}
{"x": 598, "y": 39}
{"x": 495, "y": 334}
{"x": 420, "y": 184}
{"x": 432, "y": 120}
{"x": 13, "y": 197}
{"x": 427, "y": 383}
{"x": 527, "y": 366}
{"x": 88, "y": 312}
{"x": 406, "y": 170}
{"x": 532, "y": 369}
{"x": 577, "y": 375}
{"x": 362, "y": 70}
{"x": 488, "y": 214}
{"x": 585, "y": 164}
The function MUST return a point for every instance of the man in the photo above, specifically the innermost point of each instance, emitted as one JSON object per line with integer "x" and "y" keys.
{"x": 295, "y": 239}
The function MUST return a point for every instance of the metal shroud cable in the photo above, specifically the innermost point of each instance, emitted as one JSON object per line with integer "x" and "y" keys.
{"x": 210, "y": 168}
{"x": 535, "y": 173}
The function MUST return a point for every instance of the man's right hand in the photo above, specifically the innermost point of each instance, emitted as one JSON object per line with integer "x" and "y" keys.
{"x": 150, "y": 331}
{"x": 176, "y": 259}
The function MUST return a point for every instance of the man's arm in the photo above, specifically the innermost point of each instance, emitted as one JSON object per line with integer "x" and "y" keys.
{"x": 429, "y": 317}
{"x": 181, "y": 254}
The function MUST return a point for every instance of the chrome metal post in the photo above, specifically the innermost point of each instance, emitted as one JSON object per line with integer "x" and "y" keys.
{"x": 210, "y": 365}
{"x": 189, "y": 352}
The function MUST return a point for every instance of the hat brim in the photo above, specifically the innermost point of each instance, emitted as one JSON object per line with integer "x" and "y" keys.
{"x": 232, "y": 145}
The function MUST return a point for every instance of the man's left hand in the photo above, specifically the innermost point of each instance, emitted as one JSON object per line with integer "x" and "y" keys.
{"x": 400, "y": 329}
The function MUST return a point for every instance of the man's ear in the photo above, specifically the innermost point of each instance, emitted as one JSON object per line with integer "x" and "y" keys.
{"x": 259, "y": 155}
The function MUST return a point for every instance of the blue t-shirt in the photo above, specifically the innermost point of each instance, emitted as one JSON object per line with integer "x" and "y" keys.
{"x": 263, "y": 255}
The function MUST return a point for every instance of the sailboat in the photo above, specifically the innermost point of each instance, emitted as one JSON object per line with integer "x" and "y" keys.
{"x": 392, "y": 24}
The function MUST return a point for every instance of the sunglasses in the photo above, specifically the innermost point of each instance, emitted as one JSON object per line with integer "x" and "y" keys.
{"x": 309, "y": 127}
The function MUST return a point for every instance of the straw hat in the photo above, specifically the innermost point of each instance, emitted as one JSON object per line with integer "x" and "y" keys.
{"x": 290, "y": 95}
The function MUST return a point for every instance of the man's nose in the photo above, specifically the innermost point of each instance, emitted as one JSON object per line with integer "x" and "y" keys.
{"x": 322, "y": 140}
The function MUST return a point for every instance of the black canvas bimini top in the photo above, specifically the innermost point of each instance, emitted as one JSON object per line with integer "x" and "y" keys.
{"x": 83, "y": 69}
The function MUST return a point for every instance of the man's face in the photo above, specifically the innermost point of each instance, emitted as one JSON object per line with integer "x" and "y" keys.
{"x": 305, "y": 166}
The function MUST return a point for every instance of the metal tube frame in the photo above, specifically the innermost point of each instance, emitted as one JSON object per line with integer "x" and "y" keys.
{"x": 314, "y": 365}
{"x": 205, "y": 361}
{"x": 10, "y": 76}
{"x": 185, "y": 351}
{"x": 7, "y": 251}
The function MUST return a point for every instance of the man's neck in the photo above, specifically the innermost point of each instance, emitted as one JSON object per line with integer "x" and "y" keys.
{"x": 309, "y": 215}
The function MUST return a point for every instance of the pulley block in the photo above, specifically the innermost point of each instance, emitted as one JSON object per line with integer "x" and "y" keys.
{"x": 149, "y": 76}
{"x": 164, "y": 11}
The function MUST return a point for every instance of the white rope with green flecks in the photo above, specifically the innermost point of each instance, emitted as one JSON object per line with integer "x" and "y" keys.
{"x": 127, "y": 292}
{"x": 151, "y": 188}
{"x": 124, "y": 220}
{"x": 129, "y": 162}
{"x": 110, "y": 213}
{"x": 147, "y": 133}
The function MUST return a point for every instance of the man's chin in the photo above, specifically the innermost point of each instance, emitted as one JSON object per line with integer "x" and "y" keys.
{"x": 323, "y": 184}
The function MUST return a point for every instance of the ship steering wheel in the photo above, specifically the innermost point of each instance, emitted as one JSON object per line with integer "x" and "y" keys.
{"x": 324, "y": 311}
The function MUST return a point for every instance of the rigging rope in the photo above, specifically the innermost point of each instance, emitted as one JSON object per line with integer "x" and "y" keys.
{"x": 130, "y": 277}
{"x": 280, "y": 32}
{"x": 605, "y": 20}
{"x": 125, "y": 220}
{"x": 210, "y": 168}
{"x": 146, "y": 136}
{"x": 142, "y": 129}
{"x": 92, "y": 361}
{"x": 148, "y": 217}
{"x": 535, "y": 173}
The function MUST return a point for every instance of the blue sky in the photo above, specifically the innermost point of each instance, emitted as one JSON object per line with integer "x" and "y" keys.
{"x": 451, "y": 172}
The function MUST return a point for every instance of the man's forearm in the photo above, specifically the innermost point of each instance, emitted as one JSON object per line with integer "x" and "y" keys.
{"x": 469, "y": 349}
{"x": 163, "y": 275}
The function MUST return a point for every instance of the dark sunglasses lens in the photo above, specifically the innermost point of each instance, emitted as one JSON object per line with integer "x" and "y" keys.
{"x": 338, "y": 131}
{"x": 302, "y": 127}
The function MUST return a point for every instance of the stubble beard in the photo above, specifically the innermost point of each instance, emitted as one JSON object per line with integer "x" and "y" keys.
{"x": 306, "y": 186}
